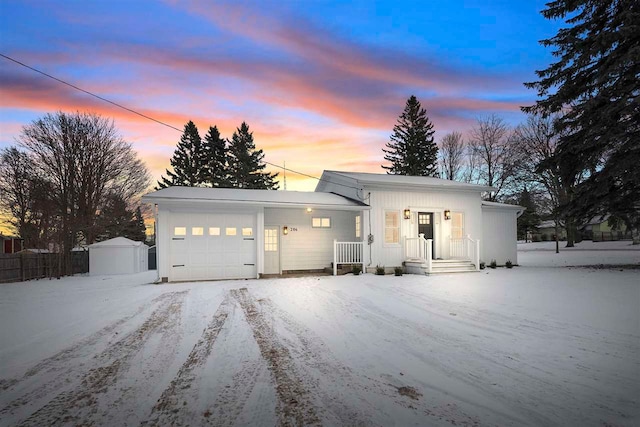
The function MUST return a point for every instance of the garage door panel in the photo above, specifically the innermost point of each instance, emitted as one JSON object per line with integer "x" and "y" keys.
{"x": 214, "y": 246}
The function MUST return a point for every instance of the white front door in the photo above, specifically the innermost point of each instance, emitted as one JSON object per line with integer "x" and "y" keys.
{"x": 271, "y": 250}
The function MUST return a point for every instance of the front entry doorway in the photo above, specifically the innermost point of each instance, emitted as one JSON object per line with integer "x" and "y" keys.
{"x": 271, "y": 250}
{"x": 425, "y": 226}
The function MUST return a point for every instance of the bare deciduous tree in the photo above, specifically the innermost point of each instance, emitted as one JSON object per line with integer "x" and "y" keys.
{"x": 452, "y": 156}
{"x": 490, "y": 143}
{"x": 83, "y": 160}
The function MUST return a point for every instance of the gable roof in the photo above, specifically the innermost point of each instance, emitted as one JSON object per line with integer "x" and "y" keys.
{"x": 268, "y": 198}
{"x": 402, "y": 181}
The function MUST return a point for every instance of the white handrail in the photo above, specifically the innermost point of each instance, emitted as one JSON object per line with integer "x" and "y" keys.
{"x": 465, "y": 248}
{"x": 347, "y": 253}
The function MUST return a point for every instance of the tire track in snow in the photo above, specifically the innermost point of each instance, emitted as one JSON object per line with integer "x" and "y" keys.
{"x": 79, "y": 404}
{"x": 170, "y": 408}
{"x": 294, "y": 401}
{"x": 59, "y": 361}
{"x": 319, "y": 367}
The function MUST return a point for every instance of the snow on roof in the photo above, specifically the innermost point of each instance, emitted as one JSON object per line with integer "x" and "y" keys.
{"x": 547, "y": 224}
{"x": 117, "y": 242}
{"x": 255, "y": 197}
{"x": 405, "y": 180}
{"x": 497, "y": 205}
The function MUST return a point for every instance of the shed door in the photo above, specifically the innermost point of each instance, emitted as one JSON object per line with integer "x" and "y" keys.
{"x": 271, "y": 250}
{"x": 212, "y": 246}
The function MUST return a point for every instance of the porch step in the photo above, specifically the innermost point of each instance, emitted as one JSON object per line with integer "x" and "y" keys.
{"x": 439, "y": 266}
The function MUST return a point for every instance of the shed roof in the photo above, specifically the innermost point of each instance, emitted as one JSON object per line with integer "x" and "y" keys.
{"x": 117, "y": 242}
{"x": 365, "y": 178}
{"x": 270, "y": 198}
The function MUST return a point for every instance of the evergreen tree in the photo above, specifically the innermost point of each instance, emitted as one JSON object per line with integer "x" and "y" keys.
{"x": 188, "y": 161}
{"x": 595, "y": 81}
{"x": 529, "y": 220}
{"x": 412, "y": 149}
{"x": 246, "y": 163}
{"x": 215, "y": 148}
{"x": 117, "y": 220}
{"x": 139, "y": 231}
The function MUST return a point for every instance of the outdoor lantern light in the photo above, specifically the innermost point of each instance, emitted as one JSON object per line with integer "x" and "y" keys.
{"x": 447, "y": 214}
{"x": 309, "y": 210}
{"x": 407, "y": 214}
{"x": 285, "y": 230}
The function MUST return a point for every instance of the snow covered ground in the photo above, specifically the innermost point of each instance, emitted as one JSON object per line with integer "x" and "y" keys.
{"x": 536, "y": 345}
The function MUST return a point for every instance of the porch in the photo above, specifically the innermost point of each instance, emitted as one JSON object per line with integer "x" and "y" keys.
{"x": 464, "y": 256}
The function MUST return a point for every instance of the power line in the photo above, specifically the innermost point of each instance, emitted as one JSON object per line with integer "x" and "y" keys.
{"x": 152, "y": 119}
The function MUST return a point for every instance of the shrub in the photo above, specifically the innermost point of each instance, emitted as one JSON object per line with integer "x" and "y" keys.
{"x": 493, "y": 264}
{"x": 482, "y": 265}
{"x": 379, "y": 270}
{"x": 535, "y": 238}
{"x": 356, "y": 270}
{"x": 545, "y": 237}
{"x": 398, "y": 271}
{"x": 509, "y": 264}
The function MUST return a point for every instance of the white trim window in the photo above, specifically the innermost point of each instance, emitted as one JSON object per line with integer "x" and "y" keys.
{"x": 358, "y": 227}
{"x": 391, "y": 227}
{"x": 317, "y": 222}
{"x": 457, "y": 225}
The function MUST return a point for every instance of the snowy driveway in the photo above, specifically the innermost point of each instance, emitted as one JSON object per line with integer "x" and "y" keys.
{"x": 528, "y": 346}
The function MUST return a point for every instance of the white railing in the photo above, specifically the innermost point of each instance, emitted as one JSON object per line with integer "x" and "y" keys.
{"x": 465, "y": 248}
{"x": 419, "y": 248}
{"x": 347, "y": 253}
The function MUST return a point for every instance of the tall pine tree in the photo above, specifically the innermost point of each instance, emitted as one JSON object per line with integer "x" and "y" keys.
{"x": 412, "y": 149}
{"x": 188, "y": 161}
{"x": 595, "y": 82}
{"x": 529, "y": 220}
{"x": 215, "y": 148}
{"x": 246, "y": 164}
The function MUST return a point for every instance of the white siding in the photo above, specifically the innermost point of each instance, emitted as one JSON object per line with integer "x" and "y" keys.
{"x": 500, "y": 231}
{"x": 436, "y": 201}
{"x": 113, "y": 260}
{"x": 307, "y": 248}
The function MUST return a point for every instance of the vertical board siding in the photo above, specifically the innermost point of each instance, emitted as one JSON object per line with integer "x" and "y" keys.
{"x": 500, "y": 243}
{"x": 429, "y": 201}
{"x": 305, "y": 247}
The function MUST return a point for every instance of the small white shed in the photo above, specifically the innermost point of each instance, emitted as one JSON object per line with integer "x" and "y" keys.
{"x": 118, "y": 256}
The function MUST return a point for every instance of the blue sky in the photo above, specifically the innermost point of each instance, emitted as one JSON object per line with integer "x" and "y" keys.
{"x": 319, "y": 83}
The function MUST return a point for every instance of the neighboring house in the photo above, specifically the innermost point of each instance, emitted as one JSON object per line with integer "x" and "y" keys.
{"x": 11, "y": 244}
{"x": 599, "y": 229}
{"x": 547, "y": 231}
{"x": 426, "y": 224}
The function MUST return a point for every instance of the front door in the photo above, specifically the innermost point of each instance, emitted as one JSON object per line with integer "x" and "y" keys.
{"x": 425, "y": 226}
{"x": 271, "y": 250}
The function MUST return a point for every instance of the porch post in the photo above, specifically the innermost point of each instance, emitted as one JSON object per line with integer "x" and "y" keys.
{"x": 477, "y": 260}
{"x": 362, "y": 256}
{"x": 429, "y": 250}
{"x": 335, "y": 265}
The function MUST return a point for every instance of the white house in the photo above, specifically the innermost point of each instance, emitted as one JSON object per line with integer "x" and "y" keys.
{"x": 117, "y": 256}
{"x": 428, "y": 225}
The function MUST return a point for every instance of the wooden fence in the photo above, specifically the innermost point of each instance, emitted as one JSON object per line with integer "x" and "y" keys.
{"x": 27, "y": 266}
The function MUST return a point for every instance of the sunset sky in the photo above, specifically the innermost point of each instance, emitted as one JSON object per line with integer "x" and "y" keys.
{"x": 320, "y": 84}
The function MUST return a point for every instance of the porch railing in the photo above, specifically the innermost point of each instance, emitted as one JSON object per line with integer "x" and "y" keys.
{"x": 347, "y": 253}
{"x": 419, "y": 248}
{"x": 465, "y": 248}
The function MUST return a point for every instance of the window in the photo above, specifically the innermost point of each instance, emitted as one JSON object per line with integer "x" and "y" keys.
{"x": 214, "y": 231}
{"x": 179, "y": 231}
{"x": 230, "y": 231}
{"x": 357, "y": 226}
{"x": 197, "y": 231}
{"x": 457, "y": 225}
{"x": 392, "y": 227}
{"x": 321, "y": 222}
{"x": 424, "y": 219}
{"x": 248, "y": 231}
{"x": 271, "y": 240}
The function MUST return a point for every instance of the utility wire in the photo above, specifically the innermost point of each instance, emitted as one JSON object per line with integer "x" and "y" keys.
{"x": 152, "y": 119}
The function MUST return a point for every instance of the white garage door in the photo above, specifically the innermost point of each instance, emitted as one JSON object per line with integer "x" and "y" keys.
{"x": 212, "y": 246}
